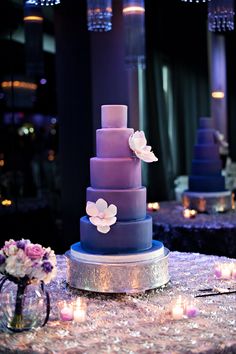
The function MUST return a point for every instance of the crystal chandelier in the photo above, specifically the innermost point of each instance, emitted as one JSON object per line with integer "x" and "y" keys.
{"x": 221, "y": 15}
{"x": 46, "y": 2}
{"x": 99, "y": 14}
{"x": 134, "y": 28}
{"x": 196, "y": 0}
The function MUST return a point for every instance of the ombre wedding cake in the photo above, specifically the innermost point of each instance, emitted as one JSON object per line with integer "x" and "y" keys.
{"x": 116, "y": 252}
{"x": 206, "y": 183}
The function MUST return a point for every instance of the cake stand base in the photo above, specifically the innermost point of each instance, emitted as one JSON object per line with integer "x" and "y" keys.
{"x": 216, "y": 202}
{"x": 118, "y": 277}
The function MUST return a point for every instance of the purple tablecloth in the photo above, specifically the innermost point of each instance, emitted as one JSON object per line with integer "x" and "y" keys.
{"x": 206, "y": 233}
{"x": 139, "y": 323}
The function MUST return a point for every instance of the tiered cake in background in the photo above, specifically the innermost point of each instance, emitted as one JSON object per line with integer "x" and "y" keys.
{"x": 207, "y": 191}
{"x": 116, "y": 252}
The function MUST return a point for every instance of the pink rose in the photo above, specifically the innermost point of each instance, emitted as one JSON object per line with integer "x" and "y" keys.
{"x": 34, "y": 251}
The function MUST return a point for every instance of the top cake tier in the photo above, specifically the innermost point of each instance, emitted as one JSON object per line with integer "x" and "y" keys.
{"x": 114, "y": 116}
{"x": 206, "y": 123}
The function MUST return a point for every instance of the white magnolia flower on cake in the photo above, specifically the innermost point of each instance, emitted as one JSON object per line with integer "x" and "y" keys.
{"x": 101, "y": 215}
{"x": 138, "y": 143}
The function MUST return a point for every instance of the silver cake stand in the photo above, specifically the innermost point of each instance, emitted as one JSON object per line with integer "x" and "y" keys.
{"x": 114, "y": 274}
{"x": 211, "y": 202}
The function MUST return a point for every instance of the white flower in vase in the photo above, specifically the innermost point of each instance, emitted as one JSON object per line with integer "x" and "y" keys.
{"x": 101, "y": 215}
{"x": 138, "y": 143}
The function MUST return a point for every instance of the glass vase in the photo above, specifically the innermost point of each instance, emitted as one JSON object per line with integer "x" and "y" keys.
{"x": 24, "y": 305}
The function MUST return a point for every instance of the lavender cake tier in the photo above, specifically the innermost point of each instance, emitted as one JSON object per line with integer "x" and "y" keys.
{"x": 206, "y": 167}
{"x": 115, "y": 173}
{"x": 114, "y": 116}
{"x": 123, "y": 237}
{"x": 206, "y": 183}
{"x": 206, "y": 136}
{"x": 113, "y": 142}
{"x": 131, "y": 203}
{"x": 206, "y": 151}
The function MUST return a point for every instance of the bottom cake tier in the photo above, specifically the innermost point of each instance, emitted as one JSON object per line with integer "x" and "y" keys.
{"x": 208, "y": 202}
{"x": 118, "y": 273}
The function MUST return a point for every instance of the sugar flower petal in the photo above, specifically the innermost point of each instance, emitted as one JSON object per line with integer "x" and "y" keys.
{"x": 103, "y": 229}
{"x": 101, "y": 205}
{"x": 91, "y": 209}
{"x": 110, "y": 211}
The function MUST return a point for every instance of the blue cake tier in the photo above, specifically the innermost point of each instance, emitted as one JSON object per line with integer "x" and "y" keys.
{"x": 206, "y": 136}
{"x": 206, "y": 183}
{"x": 113, "y": 142}
{"x": 115, "y": 173}
{"x": 206, "y": 167}
{"x": 206, "y": 151}
{"x": 130, "y": 203}
{"x": 123, "y": 237}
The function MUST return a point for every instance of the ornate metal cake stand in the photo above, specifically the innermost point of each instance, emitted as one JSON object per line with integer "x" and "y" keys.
{"x": 107, "y": 274}
{"x": 208, "y": 202}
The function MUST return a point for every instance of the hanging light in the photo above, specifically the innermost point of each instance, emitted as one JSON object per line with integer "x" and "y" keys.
{"x": 134, "y": 27}
{"x": 46, "y": 2}
{"x": 99, "y": 14}
{"x": 221, "y": 15}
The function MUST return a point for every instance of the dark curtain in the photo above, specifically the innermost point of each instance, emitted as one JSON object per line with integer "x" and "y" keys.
{"x": 168, "y": 30}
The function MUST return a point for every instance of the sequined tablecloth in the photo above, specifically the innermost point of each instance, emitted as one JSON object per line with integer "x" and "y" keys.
{"x": 139, "y": 323}
{"x": 206, "y": 233}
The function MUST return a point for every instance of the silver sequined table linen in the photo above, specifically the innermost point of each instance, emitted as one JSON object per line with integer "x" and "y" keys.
{"x": 139, "y": 323}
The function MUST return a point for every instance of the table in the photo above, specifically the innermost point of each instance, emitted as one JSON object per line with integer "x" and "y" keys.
{"x": 206, "y": 233}
{"x": 139, "y": 323}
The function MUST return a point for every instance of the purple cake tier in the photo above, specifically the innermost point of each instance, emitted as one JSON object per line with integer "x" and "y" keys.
{"x": 130, "y": 203}
{"x": 206, "y": 151}
{"x": 123, "y": 237}
{"x": 206, "y": 167}
{"x": 115, "y": 173}
{"x": 113, "y": 142}
{"x": 114, "y": 116}
{"x": 206, "y": 123}
{"x": 206, "y": 136}
{"x": 206, "y": 183}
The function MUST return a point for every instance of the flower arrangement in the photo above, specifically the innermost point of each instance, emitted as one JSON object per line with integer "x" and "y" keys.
{"x": 101, "y": 215}
{"x": 24, "y": 263}
{"x": 23, "y": 259}
{"x": 138, "y": 143}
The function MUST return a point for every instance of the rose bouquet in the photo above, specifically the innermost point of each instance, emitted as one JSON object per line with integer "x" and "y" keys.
{"x": 25, "y": 263}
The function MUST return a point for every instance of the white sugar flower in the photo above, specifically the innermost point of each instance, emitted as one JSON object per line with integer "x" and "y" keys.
{"x": 101, "y": 215}
{"x": 138, "y": 143}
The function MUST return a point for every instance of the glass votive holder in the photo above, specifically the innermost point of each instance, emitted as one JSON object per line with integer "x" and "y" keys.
{"x": 177, "y": 308}
{"x": 184, "y": 307}
{"x": 65, "y": 310}
{"x": 224, "y": 271}
{"x": 80, "y": 310}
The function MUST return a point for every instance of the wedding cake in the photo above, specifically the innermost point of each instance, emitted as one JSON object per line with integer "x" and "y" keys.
{"x": 206, "y": 192}
{"x": 116, "y": 252}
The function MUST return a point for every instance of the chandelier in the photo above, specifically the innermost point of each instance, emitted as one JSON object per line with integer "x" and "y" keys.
{"x": 221, "y": 15}
{"x": 134, "y": 29}
{"x": 45, "y": 2}
{"x": 195, "y": 0}
{"x": 99, "y": 14}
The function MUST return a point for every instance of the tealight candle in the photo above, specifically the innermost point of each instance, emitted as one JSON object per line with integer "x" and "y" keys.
{"x": 191, "y": 310}
{"x": 153, "y": 206}
{"x": 189, "y": 213}
{"x": 226, "y": 271}
{"x": 177, "y": 312}
{"x": 80, "y": 309}
{"x": 65, "y": 311}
